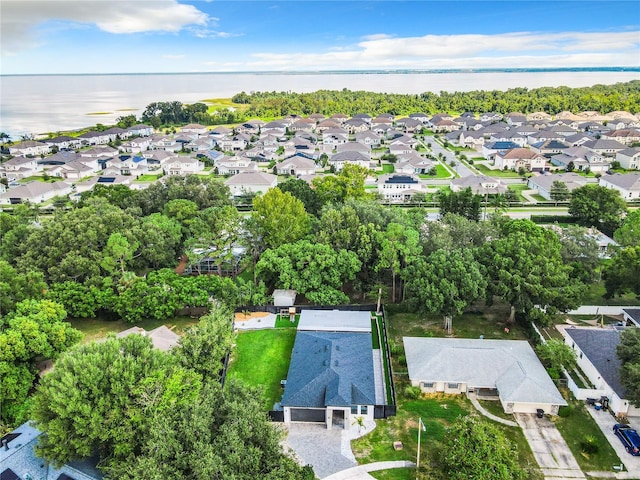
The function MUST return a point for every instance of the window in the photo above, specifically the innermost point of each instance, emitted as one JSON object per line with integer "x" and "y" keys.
{"x": 427, "y": 384}
{"x": 452, "y": 385}
{"x": 363, "y": 409}
{"x": 354, "y": 409}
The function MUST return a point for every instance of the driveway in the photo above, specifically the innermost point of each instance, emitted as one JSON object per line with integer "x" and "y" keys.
{"x": 606, "y": 421}
{"x": 321, "y": 448}
{"x": 549, "y": 448}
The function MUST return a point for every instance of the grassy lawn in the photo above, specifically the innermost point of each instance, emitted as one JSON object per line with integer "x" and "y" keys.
{"x": 95, "y": 328}
{"x": 284, "y": 322}
{"x": 148, "y": 178}
{"x": 262, "y": 357}
{"x": 496, "y": 173}
{"x": 437, "y": 412}
{"x": 215, "y": 104}
{"x": 490, "y": 323}
{"x": 594, "y": 295}
{"x": 39, "y": 179}
{"x": 441, "y": 172}
{"x": 575, "y": 428}
{"x": 387, "y": 168}
{"x": 518, "y": 188}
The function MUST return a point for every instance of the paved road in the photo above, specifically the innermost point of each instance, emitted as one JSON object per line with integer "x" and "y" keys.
{"x": 598, "y": 310}
{"x": 461, "y": 169}
{"x": 549, "y": 448}
{"x": 606, "y": 421}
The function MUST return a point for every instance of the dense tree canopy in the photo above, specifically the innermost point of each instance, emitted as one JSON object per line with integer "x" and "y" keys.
{"x": 281, "y": 218}
{"x": 629, "y": 354}
{"x": 628, "y": 235}
{"x": 622, "y": 274}
{"x": 597, "y": 206}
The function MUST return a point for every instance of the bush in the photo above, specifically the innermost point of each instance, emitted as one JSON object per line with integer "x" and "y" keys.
{"x": 554, "y": 373}
{"x": 589, "y": 444}
{"x": 412, "y": 392}
{"x": 567, "y": 411}
{"x": 402, "y": 360}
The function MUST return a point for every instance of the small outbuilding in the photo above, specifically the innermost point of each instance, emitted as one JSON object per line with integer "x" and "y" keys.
{"x": 284, "y": 298}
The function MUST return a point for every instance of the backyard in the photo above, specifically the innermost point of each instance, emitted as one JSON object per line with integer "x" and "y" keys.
{"x": 96, "y": 328}
{"x": 262, "y": 357}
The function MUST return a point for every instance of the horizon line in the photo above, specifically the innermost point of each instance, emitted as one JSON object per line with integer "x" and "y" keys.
{"x": 346, "y": 71}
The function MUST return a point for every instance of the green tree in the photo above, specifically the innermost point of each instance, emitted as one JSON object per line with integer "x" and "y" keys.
{"x": 222, "y": 434}
{"x": 629, "y": 354}
{"x": 281, "y": 218}
{"x": 159, "y": 246}
{"x": 446, "y": 282}
{"x": 525, "y": 269}
{"x": 100, "y": 397}
{"x": 559, "y": 191}
{"x": 205, "y": 345}
{"x": 17, "y": 286}
{"x": 580, "y": 251}
{"x": 464, "y": 203}
{"x": 303, "y": 192}
{"x": 556, "y": 354}
{"x": 315, "y": 270}
{"x": 399, "y": 247}
{"x": 597, "y": 206}
{"x": 628, "y": 235}
{"x": 622, "y": 274}
{"x": 349, "y": 183}
{"x": 117, "y": 253}
{"x": 36, "y": 330}
{"x": 478, "y": 449}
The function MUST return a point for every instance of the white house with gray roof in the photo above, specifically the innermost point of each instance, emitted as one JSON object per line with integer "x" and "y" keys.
{"x": 506, "y": 369}
{"x": 628, "y": 184}
{"x": 596, "y": 354}
{"x": 251, "y": 182}
{"x": 335, "y": 375}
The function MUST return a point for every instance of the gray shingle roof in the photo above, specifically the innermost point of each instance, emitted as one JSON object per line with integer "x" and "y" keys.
{"x": 599, "y": 346}
{"x": 330, "y": 369}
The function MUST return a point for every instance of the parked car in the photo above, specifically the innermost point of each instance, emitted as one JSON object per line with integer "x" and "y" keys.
{"x": 629, "y": 438}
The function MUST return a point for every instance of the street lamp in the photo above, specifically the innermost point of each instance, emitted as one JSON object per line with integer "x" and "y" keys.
{"x": 421, "y": 428}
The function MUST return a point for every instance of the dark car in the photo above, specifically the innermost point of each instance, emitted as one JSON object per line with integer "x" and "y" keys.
{"x": 629, "y": 438}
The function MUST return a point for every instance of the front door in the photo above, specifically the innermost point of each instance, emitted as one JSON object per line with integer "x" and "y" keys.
{"x": 337, "y": 419}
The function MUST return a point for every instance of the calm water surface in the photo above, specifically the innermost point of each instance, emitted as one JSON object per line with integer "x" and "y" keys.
{"x": 40, "y": 104}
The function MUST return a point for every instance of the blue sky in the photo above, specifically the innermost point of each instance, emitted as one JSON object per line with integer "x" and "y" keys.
{"x": 122, "y": 36}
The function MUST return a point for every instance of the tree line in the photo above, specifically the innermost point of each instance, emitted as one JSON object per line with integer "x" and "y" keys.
{"x": 552, "y": 100}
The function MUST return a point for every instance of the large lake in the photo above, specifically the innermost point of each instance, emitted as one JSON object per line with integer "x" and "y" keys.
{"x": 40, "y": 104}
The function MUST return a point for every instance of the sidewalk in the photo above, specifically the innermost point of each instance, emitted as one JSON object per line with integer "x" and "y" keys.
{"x": 598, "y": 309}
{"x": 480, "y": 408}
{"x": 361, "y": 471}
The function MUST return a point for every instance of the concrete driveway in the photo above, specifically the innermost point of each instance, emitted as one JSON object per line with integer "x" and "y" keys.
{"x": 549, "y": 448}
{"x": 606, "y": 421}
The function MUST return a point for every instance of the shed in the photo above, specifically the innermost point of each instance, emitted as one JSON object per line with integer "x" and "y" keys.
{"x": 284, "y": 298}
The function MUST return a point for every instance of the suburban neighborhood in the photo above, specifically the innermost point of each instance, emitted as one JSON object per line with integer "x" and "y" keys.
{"x": 303, "y": 256}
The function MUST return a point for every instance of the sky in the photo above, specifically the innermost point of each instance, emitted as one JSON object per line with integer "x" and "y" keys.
{"x": 157, "y": 36}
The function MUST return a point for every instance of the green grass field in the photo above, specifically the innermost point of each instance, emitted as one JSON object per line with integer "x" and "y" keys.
{"x": 261, "y": 358}
{"x": 95, "y": 328}
{"x": 496, "y": 173}
{"x": 441, "y": 172}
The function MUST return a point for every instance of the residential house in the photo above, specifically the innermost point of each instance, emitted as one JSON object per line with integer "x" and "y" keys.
{"x": 548, "y": 148}
{"x": 141, "y": 130}
{"x": 274, "y": 128}
{"x": 409, "y": 163}
{"x": 136, "y": 145}
{"x": 479, "y": 184}
{"x": 251, "y": 182}
{"x": 508, "y": 370}
{"x": 234, "y": 165}
{"x": 194, "y": 129}
{"x": 104, "y": 151}
{"x": 395, "y": 187}
{"x": 63, "y": 142}
{"x": 582, "y": 159}
{"x": 116, "y": 133}
{"x": 332, "y": 373}
{"x": 339, "y": 160}
{"x": 165, "y": 142}
{"x": 471, "y": 139}
{"x": 104, "y": 179}
{"x": 544, "y": 183}
{"x": 444, "y": 126}
{"x": 411, "y": 125}
{"x": 509, "y": 136}
{"x": 183, "y": 166}
{"x": 363, "y": 116}
{"x": 34, "y": 192}
{"x": 354, "y": 125}
{"x": 490, "y": 117}
{"x": 596, "y": 353}
{"x": 515, "y": 119}
{"x": 17, "y": 168}
{"x": 75, "y": 170}
{"x": 162, "y": 337}
{"x": 518, "y": 158}
{"x": 355, "y": 147}
{"x": 29, "y": 147}
{"x": 625, "y": 137}
{"x": 334, "y": 136}
{"x": 629, "y": 158}
{"x": 19, "y": 460}
{"x": 604, "y": 146}
{"x": 368, "y": 138}
{"x": 95, "y": 138}
{"x": 628, "y": 184}
{"x": 489, "y": 150}
{"x": 297, "y": 165}
{"x": 421, "y": 117}
{"x": 539, "y": 116}
{"x": 338, "y": 118}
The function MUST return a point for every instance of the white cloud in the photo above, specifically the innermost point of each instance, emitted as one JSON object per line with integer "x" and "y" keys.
{"x": 517, "y": 49}
{"x": 21, "y": 17}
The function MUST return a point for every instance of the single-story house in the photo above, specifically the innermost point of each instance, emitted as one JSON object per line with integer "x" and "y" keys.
{"x": 479, "y": 184}
{"x": 339, "y": 160}
{"x": 34, "y": 192}
{"x": 334, "y": 376}
{"x": 596, "y": 354}
{"x": 19, "y": 461}
{"x": 297, "y": 165}
{"x": 251, "y": 182}
{"x": 543, "y": 183}
{"x": 506, "y": 369}
{"x": 162, "y": 337}
{"x": 628, "y": 184}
